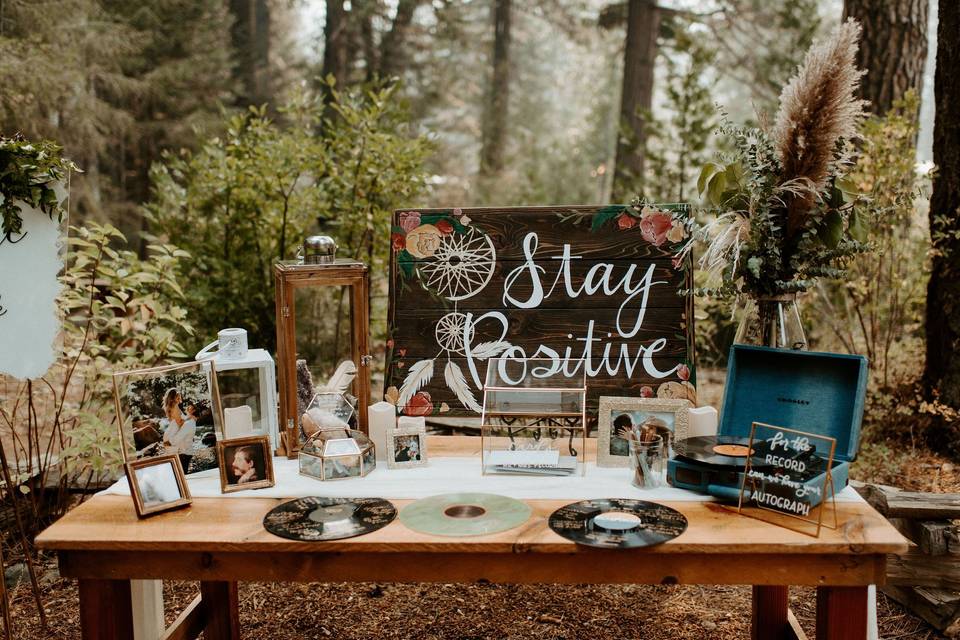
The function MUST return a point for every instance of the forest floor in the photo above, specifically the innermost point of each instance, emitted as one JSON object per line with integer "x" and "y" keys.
{"x": 281, "y": 611}
{"x": 276, "y": 611}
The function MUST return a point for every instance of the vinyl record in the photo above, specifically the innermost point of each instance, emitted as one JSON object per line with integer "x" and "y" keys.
{"x": 725, "y": 451}
{"x": 316, "y": 519}
{"x": 617, "y": 523}
{"x": 464, "y": 514}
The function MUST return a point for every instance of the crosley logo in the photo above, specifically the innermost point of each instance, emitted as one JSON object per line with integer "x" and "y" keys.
{"x": 793, "y": 400}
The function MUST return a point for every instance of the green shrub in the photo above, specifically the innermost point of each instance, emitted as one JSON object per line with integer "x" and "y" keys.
{"x": 249, "y": 198}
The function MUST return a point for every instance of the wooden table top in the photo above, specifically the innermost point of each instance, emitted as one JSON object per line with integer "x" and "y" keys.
{"x": 109, "y": 523}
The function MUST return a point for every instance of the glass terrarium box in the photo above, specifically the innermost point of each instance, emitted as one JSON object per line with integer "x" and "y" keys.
{"x": 323, "y": 361}
{"x": 337, "y": 454}
{"x": 534, "y": 417}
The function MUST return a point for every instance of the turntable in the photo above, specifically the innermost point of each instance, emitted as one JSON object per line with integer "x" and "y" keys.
{"x": 820, "y": 393}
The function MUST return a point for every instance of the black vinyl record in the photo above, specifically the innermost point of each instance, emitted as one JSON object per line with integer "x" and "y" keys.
{"x": 721, "y": 451}
{"x": 732, "y": 452}
{"x": 316, "y": 519}
{"x": 617, "y": 523}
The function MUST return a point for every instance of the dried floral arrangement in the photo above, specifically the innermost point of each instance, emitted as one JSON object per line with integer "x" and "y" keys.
{"x": 28, "y": 173}
{"x": 784, "y": 214}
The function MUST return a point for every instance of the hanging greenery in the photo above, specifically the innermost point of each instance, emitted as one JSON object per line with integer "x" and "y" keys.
{"x": 28, "y": 173}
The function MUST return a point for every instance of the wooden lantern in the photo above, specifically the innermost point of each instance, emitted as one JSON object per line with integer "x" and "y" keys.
{"x": 293, "y": 280}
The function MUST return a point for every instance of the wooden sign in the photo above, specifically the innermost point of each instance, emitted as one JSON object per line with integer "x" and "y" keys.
{"x": 785, "y": 476}
{"x": 601, "y": 284}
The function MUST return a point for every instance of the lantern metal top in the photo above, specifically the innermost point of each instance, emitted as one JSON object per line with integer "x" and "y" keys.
{"x": 319, "y": 250}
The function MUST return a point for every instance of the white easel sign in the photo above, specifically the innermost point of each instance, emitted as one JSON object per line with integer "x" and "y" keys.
{"x": 30, "y": 263}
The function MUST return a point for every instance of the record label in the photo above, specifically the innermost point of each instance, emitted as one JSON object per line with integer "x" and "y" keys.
{"x": 316, "y": 519}
{"x": 617, "y": 523}
{"x": 465, "y": 514}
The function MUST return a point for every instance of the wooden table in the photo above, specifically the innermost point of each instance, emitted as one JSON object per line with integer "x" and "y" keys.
{"x": 220, "y": 541}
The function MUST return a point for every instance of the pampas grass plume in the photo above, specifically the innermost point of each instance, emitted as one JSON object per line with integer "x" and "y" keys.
{"x": 818, "y": 108}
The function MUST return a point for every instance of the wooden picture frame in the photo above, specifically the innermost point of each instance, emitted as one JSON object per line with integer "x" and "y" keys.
{"x": 393, "y": 452}
{"x": 143, "y": 497}
{"x": 145, "y": 435}
{"x": 261, "y": 463}
{"x": 671, "y": 412}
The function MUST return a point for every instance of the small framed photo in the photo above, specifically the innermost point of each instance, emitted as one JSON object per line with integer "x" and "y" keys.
{"x": 157, "y": 484}
{"x": 172, "y": 410}
{"x": 406, "y": 448}
{"x": 618, "y": 416}
{"x": 245, "y": 463}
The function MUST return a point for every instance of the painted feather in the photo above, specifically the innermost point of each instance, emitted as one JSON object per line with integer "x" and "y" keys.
{"x": 420, "y": 374}
{"x": 457, "y": 383}
{"x": 486, "y": 350}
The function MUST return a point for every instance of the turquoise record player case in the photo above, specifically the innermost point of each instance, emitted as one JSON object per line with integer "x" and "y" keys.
{"x": 820, "y": 393}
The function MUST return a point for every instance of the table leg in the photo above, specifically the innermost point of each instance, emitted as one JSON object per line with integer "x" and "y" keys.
{"x": 841, "y": 613}
{"x": 769, "y": 620}
{"x": 106, "y": 611}
{"x": 222, "y": 607}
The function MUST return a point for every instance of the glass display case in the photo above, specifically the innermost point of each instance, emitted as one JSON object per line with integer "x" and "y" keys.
{"x": 322, "y": 337}
{"x": 534, "y": 417}
{"x": 337, "y": 454}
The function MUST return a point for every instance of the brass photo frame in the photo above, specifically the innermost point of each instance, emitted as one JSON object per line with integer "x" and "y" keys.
{"x": 783, "y": 518}
{"x": 226, "y": 453}
{"x": 123, "y": 385}
{"x": 149, "y": 499}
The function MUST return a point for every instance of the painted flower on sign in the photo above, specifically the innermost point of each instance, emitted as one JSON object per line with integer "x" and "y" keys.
{"x": 626, "y": 221}
{"x": 409, "y": 220}
{"x": 646, "y": 391}
{"x": 683, "y": 372}
{"x": 655, "y": 225}
{"x": 445, "y": 227}
{"x": 677, "y": 233}
{"x": 420, "y": 404}
{"x": 398, "y": 242}
{"x": 423, "y": 241}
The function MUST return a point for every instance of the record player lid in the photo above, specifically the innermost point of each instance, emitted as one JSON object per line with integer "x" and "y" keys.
{"x": 821, "y": 393}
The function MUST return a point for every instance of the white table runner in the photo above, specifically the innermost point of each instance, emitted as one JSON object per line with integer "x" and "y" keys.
{"x": 447, "y": 475}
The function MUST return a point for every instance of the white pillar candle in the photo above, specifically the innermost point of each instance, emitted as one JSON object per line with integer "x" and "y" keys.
{"x": 237, "y": 421}
{"x": 702, "y": 421}
{"x": 382, "y": 419}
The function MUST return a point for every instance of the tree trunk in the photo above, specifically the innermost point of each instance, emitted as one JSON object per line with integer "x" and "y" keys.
{"x": 893, "y": 48}
{"x": 335, "y": 42}
{"x": 393, "y": 59}
{"x": 943, "y": 291}
{"x": 495, "y": 119}
{"x": 251, "y": 44}
{"x": 640, "y": 52}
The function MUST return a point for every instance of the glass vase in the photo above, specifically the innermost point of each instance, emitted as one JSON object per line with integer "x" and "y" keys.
{"x": 772, "y": 322}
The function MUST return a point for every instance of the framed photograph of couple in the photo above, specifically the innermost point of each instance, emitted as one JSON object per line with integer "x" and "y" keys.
{"x": 171, "y": 410}
{"x": 157, "y": 484}
{"x": 619, "y": 417}
{"x": 406, "y": 447}
{"x": 245, "y": 463}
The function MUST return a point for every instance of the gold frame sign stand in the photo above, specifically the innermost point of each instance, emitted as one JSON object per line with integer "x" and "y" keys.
{"x": 787, "y": 502}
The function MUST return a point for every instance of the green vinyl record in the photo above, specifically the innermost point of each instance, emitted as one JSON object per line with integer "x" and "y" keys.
{"x": 464, "y": 514}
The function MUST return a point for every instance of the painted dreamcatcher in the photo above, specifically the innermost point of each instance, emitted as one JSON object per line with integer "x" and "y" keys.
{"x": 455, "y": 261}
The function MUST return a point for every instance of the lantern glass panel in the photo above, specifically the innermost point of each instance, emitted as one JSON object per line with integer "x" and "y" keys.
{"x": 239, "y": 387}
{"x": 324, "y": 330}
